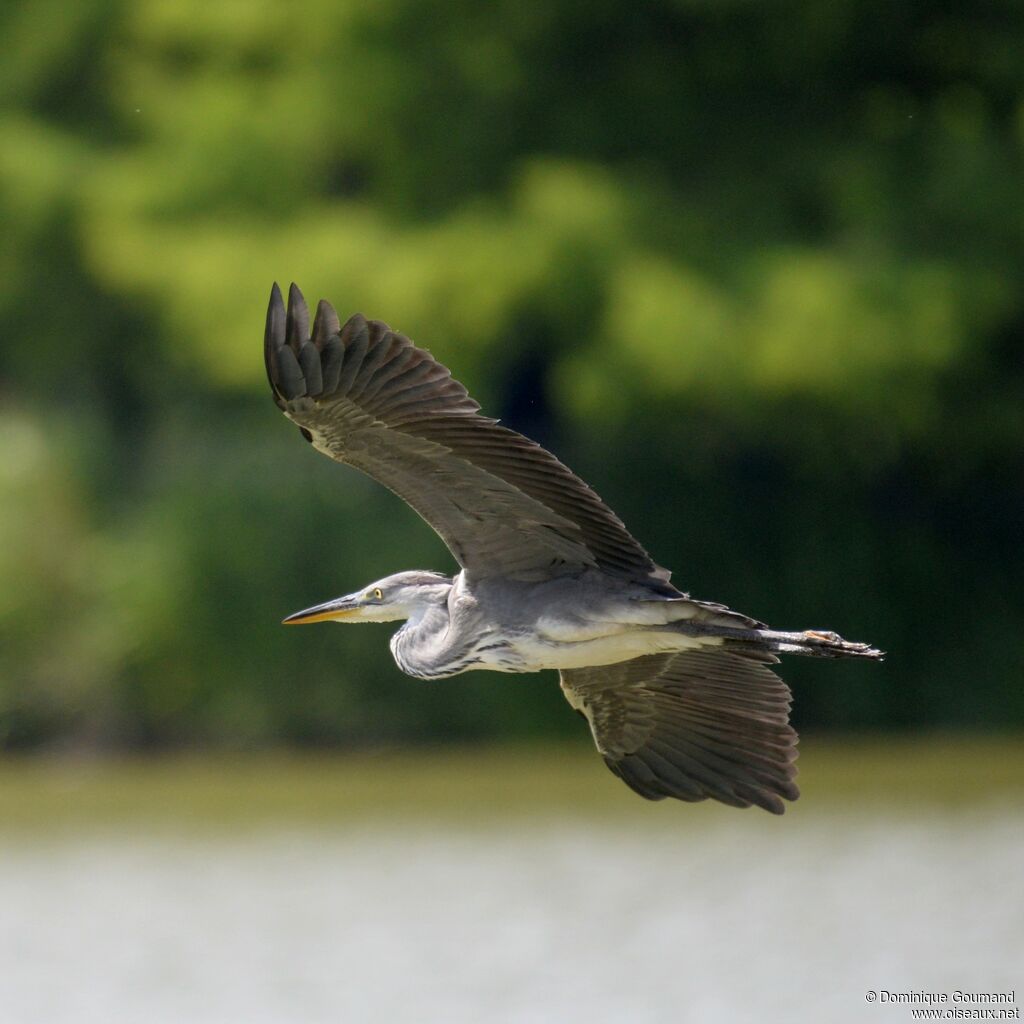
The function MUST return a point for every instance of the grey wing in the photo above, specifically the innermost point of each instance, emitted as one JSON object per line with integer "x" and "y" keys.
{"x": 368, "y": 397}
{"x": 693, "y": 725}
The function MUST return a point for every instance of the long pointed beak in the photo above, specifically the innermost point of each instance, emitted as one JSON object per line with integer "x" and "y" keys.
{"x": 339, "y": 608}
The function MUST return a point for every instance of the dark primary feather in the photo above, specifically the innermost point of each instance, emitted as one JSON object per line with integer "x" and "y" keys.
{"x": 699, "y": 724}
{"x": 368, "y": 397}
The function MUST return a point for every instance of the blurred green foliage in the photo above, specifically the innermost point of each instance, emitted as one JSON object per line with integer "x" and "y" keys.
{"x": 753, "y": 270}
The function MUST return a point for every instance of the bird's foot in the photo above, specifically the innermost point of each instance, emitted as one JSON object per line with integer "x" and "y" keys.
{"x": 828, "y": 644}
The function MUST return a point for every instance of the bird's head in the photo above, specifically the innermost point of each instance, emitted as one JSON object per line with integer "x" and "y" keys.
{"x": 404, "y": 595}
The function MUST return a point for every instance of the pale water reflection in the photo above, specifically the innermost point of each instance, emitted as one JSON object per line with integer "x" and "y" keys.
{"x": 735, "y": 920}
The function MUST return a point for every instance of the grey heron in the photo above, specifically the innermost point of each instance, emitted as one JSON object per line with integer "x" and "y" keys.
{"x": 679, "y": 693}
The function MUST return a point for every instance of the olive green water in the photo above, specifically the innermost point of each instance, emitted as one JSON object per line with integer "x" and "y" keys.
{"x": 504, "y": 885}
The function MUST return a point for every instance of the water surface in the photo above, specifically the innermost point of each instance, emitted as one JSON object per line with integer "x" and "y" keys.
{"x": 607, "y": 911}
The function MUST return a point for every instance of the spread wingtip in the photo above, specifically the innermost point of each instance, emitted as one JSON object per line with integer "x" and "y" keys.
{"x": 297, "y": 321}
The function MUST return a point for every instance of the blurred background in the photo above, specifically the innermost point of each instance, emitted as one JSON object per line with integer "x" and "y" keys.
{"x": 753, "y": 271}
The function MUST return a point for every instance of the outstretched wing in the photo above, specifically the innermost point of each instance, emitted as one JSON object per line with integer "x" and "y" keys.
{"x": 699, "y": 724}
{"x": 368, "y": 397}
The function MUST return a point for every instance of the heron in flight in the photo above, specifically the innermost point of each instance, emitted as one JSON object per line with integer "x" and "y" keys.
{"x": 679, "y": 693}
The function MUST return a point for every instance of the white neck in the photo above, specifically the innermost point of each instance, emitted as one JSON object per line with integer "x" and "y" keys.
{"x": 418, "y": 646}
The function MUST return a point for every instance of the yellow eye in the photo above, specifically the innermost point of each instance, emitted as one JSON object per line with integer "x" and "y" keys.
{"x": 378, "y": 594}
